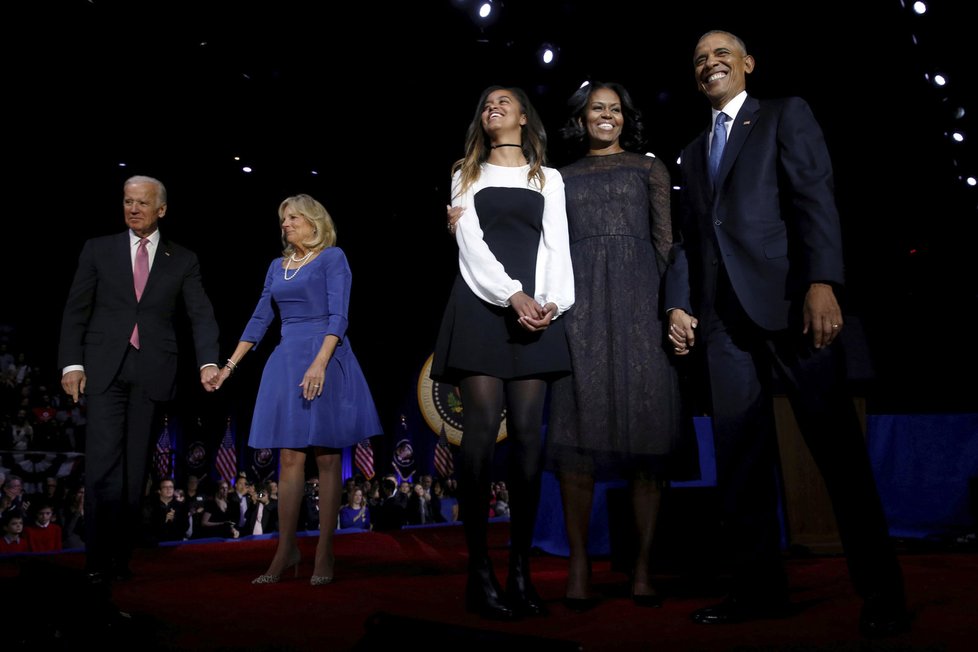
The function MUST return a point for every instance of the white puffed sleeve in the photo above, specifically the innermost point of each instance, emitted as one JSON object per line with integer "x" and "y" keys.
{"x": 480, "y": 269}
{"x": 555, "y": 274}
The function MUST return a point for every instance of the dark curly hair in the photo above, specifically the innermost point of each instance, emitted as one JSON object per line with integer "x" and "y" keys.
{"x": 574, "y": 132}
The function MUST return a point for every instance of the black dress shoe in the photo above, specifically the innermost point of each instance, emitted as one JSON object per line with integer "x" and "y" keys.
{"x": 739, "y": 610}
{"x": 519, "y": 589}
{"x": 484, "y": 595}
{"x": 580, "y": 605}
{"x": 883, "y": 616}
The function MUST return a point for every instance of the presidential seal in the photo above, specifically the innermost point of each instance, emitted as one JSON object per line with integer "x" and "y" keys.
{"x": 441, "y": 405}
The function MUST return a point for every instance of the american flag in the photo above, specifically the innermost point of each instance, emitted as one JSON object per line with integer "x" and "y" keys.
{"x": 227, "y": 457}
{"x": 164, "y": 452}
{"x": 364, "y": 458}
{"x": 444, "y": 461}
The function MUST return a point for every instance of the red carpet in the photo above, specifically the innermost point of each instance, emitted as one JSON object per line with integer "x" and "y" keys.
{"x": 402, "y": 591}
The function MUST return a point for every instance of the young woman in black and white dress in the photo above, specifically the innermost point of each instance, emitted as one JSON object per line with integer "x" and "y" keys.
{"x": 500, "y": 340}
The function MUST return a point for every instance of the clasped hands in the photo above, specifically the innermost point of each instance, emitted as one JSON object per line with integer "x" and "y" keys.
{"x": 532, "y": 316}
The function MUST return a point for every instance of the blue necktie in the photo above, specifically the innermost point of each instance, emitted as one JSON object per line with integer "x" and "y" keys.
{"x": 719, "y": 142}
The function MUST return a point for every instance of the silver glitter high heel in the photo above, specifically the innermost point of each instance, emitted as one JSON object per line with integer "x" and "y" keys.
{"x": 320, "y": 580}
{"x": 275, "y": 579}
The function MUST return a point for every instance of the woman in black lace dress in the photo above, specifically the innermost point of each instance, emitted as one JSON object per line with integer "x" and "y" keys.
{"x": 618, "y": 415}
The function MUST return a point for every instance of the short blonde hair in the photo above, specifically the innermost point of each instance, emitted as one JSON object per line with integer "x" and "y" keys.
{"x": 323, "y": 229}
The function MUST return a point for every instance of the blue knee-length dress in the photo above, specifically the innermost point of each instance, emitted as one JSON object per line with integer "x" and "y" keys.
{"x": 312, "y": 304}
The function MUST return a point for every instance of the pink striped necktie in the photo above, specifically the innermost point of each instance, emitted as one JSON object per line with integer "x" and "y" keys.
{"x": 140, "y": 272}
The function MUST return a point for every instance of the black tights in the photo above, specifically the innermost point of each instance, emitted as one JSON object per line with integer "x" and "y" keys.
{"x": 483, "y": 398}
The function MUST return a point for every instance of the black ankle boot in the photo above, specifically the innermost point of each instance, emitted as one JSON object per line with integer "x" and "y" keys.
{"x": 484, "y": 595}
{"x": 519, "y": 589}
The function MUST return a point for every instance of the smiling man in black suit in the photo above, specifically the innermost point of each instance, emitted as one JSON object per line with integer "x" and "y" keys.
{"x": 760, "y": 265}
{"x": 119, "y": 348}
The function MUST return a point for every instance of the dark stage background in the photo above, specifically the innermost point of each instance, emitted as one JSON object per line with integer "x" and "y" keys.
{"x": 375, "y": 99}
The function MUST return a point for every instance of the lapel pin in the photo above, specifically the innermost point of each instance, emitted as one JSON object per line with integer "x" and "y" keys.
{"x": 746, "y": 122}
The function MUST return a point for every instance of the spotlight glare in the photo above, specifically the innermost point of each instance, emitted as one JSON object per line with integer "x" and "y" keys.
{"x": 971, "y": 181}
{"x": 122, "y": 164}
{"x": 548, "y": 53}
{"x": 940, "y": 79}
{"x": 485, "y": 10}
{"x": 920, "y": 8}
{"x": 957, "y": 137}
{"x": 246, "y": 169}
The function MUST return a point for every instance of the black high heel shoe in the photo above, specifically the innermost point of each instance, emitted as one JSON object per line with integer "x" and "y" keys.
{"x": 484, "y": 595}
{"x": 524, "y": 598}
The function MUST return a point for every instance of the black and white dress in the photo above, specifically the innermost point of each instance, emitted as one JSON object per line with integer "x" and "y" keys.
{"x": 512, "y": 236}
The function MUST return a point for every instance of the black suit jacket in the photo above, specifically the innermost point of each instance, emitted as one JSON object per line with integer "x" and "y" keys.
{"x": 102, "y": 310}
{"x": 771, "y": 214}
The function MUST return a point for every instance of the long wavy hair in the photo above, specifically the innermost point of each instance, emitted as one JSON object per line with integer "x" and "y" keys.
{"x": 574, "y": 131}
{"x": 533, "y": 138}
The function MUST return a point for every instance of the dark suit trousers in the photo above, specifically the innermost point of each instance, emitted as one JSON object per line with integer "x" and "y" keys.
{"x": 120, "y": 425}
{"x": 741, "y": 358}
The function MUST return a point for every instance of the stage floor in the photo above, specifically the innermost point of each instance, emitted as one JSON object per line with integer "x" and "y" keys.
{"x": 403, "y": 591}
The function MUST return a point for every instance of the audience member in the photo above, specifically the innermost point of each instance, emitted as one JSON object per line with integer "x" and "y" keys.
{"x": 43, "y": 535}
{"x": 355, "y": 514}
{"x": 166, "y": 518}
{"x": 217, "y": 520}
{"x": 12, "y": 528}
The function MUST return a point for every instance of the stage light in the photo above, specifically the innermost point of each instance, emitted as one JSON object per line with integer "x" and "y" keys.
{"x": 920, "y": 8}
{"x": 246, "y": 169}
{"x": 957, "y": 137}
{"x": 940, "y": 80}
{"x": 548, "y": 54}
{"x": 485, "y": 9}
{"x": 971, "y": 181}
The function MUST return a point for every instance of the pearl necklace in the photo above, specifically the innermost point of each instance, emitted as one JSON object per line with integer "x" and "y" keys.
{"x": 301, "y": 261}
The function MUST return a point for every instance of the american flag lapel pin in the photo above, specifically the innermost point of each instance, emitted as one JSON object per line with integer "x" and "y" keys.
{"x": 746, "y": 122}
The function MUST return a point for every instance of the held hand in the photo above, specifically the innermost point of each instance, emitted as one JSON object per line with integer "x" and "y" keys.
{"x": 454, "y": 214}
{"x": 682, "y": 331}
{"x": 73, "y": 383}
{"x": 821, "y": 315}
{"x": 208, "y": 378}
{"x": 221, "y": 377}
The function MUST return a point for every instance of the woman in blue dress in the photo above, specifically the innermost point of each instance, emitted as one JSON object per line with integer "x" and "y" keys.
{"x": 313, "y": 396}
{"x": 355, "y": 515}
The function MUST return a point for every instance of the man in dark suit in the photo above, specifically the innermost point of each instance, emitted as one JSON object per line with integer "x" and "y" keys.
{"x": 119, "y": 348}
{"x": 759, "y": 265}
